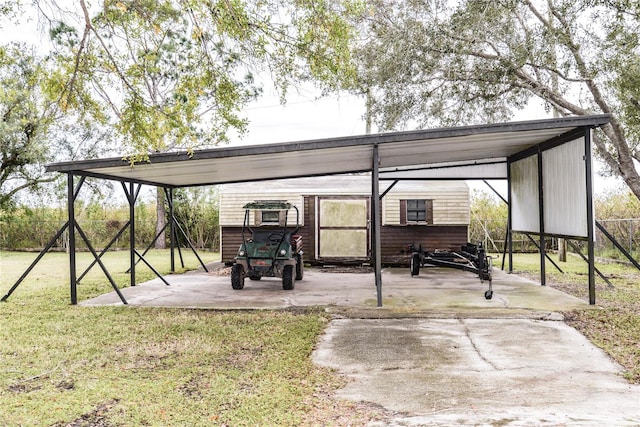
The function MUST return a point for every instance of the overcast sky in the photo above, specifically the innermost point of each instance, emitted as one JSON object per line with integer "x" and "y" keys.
{"x": 305, "y": 116}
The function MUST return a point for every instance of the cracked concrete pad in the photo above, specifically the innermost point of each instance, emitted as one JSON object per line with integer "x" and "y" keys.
{"x": 507, "y": 372}
{"x": 444, "y": 355}
{"x": 436, "y": 292}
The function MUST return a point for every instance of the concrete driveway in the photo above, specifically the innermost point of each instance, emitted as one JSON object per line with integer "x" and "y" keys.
{"x": 478, "y": 372}
{"x": 437, "y": 353}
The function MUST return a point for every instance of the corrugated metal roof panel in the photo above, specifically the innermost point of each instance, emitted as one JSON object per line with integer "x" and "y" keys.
{"x": 339, "y": 185}
{"x": 334, "y": 155}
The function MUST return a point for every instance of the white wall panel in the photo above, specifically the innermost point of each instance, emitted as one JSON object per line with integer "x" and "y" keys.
{"x": 524, "y": 195}
{"x": 565, "y": 190}
{"x": 484, "y": 169}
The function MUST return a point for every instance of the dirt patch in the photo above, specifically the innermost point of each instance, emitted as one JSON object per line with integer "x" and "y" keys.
{"x": 96, "y": 418}
{"x": 326, "y": 409}
{"x": 222, "y": 271}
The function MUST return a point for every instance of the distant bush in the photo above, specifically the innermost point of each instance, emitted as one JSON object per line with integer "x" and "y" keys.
{"x": 25, "y": 228}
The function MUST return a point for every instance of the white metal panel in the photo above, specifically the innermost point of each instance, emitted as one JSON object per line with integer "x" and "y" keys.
{"x": 524, "y": 195}
{"x": 332, "y": 155}
{"x": 565, "y": 189}
{"x": 481, "y": 169}
{"x": 195, "y": 171}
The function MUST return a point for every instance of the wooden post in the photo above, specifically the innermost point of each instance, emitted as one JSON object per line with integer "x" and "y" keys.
{"x": 562, "y": 250}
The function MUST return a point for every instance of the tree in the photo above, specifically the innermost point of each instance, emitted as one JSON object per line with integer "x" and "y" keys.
{"x": 438, "y": 62}
{"x": 175, "y": 74}
{"x": 24, "y": 120}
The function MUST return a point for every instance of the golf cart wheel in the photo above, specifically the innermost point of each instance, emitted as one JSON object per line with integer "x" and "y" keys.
{"x": 288, "y": 281}
{"x": 488, "y": 294}
{"x": 237, "y": 277}
{"x": 299, "y": 267}
{"x": 415, "y": 264}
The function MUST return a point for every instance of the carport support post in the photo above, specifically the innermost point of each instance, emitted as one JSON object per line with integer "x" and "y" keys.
{"x": 543, "y": 273}
{"x": 132, "y": 234}
{"x": 590, "y": 216}
{"x": 375, "y": 204}
{"x": 71, "y": 197}
{"x": 172, "y": 230}
{"x": 509, "y": 241}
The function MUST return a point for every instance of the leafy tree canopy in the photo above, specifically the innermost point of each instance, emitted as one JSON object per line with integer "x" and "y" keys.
{"x": 177, "y": 73}
{"x": 33, "y": 130}
{"x": 439, "y": 62}
{"x": 23, "y": 122}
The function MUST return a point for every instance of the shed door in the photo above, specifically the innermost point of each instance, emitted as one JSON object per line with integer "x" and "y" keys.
{"x": 343, "y": 227}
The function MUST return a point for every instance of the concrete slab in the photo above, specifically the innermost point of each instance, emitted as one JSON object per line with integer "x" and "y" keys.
{"x": 437, "y": 353}
{"x": 436, "y": 292}
{"x": 480, "y": 372}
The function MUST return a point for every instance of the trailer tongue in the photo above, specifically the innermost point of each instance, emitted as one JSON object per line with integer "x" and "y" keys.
{"x": 472, "y": 258}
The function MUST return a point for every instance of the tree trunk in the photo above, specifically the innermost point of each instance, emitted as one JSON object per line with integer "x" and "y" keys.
{"x": 562, "y": 250}
{"x": 161, "y": 220}
{"x": 615, "y": 152}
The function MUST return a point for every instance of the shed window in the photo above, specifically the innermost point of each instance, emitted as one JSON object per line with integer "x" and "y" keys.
{"x": 416, "y": 210}
{"x": 270, "y": 216}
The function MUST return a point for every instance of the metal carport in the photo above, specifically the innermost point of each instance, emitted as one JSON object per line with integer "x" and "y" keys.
{"x": 490, "y": 151}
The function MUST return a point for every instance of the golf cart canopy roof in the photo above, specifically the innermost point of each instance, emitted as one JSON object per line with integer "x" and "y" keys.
{"x": 268, "y": 206}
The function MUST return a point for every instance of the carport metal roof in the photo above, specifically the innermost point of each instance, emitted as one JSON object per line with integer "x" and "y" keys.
{"x": 481, "y": 151}
{"x": 473, "y": 147}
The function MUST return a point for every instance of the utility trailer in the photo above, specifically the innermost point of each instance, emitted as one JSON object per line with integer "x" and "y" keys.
{"x": 472, "y": 258}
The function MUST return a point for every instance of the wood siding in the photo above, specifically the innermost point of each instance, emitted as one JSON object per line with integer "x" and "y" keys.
{"x": 449, "y": 208}
{"x": 451, "y": 202}
{"x": 395, "y": 240}
{"x": 309, "y": 229}
{"x": 451, "y": 213}
{"x": 232, "y": 235}
{"x": 231, "y": 203}
{"x": 232, "y": 238}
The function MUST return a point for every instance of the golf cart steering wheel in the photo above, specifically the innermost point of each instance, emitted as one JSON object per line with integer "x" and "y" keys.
{"x": 275, "y": 237}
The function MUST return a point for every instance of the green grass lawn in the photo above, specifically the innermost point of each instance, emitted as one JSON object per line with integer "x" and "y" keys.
{"x": 119, "y": 366}
{"x": 112, "y": 366}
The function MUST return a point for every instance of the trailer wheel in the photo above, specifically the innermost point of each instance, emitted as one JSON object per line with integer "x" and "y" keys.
{"x": 299, "y": 267}
{"x": 237, "y": 277}
{"x": 415, "y": 264}
{"x": 488, "y": 294}
{"x": 288, "y": 281}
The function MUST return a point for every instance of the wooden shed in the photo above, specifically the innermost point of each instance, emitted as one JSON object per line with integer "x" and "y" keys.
{"x": 335, "y": 213}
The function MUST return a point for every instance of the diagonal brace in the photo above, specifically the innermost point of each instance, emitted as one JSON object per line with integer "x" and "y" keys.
{"x": 99, "y": 261}
{"x": 37, "y": 260}
{"x": 602, "y": 276}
